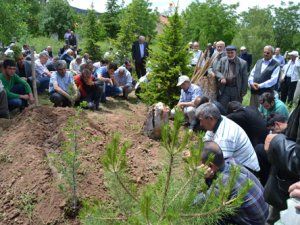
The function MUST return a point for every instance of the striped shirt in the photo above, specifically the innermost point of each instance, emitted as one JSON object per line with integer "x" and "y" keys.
{"x": 234, "y": 143}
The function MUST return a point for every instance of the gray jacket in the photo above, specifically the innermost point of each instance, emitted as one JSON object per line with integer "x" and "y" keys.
{"x": 242, "y": 75}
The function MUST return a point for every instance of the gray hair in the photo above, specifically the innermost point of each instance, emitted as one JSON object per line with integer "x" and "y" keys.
{"x": 60, "y": 64}
{"x": 208, "y": 110}
{"x": 270, "y": 47}
{"x": 44, "y": 54}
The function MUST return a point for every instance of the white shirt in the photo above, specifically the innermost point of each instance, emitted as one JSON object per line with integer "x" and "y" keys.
{"x": 234, "y": 143}
{"x": 292, "y": 70}
{"x": 74, "y": 67}
{"x": 269, "y": 83}
{"x": 196, "y": 55}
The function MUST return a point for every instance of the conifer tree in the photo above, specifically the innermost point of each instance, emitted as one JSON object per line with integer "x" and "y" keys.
{"x": 168, "y": 62}
{"x": 111, "y": 20}
{"x": 174, "y": 197}
{"x": 93, "y": 34}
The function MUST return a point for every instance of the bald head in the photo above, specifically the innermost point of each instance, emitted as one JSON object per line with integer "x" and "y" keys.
{"x": 141, "y": 39}
{"x": 220, "y": 46}
{"x": 268, "y": 52}
{"x": 212, "y": 150}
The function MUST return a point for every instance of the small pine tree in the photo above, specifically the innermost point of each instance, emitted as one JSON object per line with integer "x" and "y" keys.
{"x": 93, "y": 34}
{"x": 168, "y": 62}
{"x": 174, "y": 197}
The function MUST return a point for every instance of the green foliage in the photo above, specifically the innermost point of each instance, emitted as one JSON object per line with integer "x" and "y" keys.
{"x": 168, "y": 62}
{"x": 27, "y": 203}
{"x": 111, "y": 18}
{"x": 40, "y": 43}
{"x": 67, "y": 163}
{"x": 93, "y": 34}
{"x": 173, "y": 198}
{"x": 56, "y": 17}
{"x": 12, "y": 25}
{"x": 287, "y": 22}
{"x": 210, "y": 21}
{"x": 133, "y": 24}
{"x": 256, "y": 31}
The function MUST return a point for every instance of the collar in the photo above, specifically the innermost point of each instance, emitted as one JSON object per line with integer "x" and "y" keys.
{"x": 267, "y": 61}
{"x": 217, "y": 124}
{"x": 189, "y": 89}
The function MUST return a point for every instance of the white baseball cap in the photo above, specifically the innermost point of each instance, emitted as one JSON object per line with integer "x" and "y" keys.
{"x": 182, "y": 79}
{"x": 243, "y": 48}
{"x": 294, "y": 53}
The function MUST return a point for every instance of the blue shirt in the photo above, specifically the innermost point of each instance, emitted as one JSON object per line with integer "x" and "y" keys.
{"x": 40, "y": 69}
{"x": 193, "y": 92}
{"x": 142, "y": 48}
{"x": 279, "y": 59}
{"x": 103, "y": 71}
{"x": 125, "y": 80}
{"x": 63, "y": 82}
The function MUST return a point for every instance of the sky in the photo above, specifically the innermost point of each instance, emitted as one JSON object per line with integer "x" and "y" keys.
{"x": 162, "y": 5}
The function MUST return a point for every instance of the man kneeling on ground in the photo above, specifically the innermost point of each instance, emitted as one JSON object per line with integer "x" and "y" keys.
{"x": 189, "y": 92}
{"x": 254, "y": 209}
{"x": 90, "y": 89}
{"x": 106, "y": 74}
{"x": 18, "y": 90}
{"x": 62, "y": 85}
{"x": 231, "y": 138}
{"x": 123, "y": 80}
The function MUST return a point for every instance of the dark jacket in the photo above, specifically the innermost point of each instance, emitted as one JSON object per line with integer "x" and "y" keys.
{"x": 25, "y": 71}
{"x": 252, "y": 123}
{"x": 242, "y": 75}
{"x": 136, "y": 54}
{"x": 72, "y": 40}
{"x": 284, "y": 155}
{"x": 248, "y": 58}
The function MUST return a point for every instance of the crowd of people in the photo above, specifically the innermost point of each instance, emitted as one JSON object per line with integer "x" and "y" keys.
{"x": 262, "y": 138}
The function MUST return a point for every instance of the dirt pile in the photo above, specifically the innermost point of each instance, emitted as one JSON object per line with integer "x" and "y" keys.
{"x": 28, "y": 187}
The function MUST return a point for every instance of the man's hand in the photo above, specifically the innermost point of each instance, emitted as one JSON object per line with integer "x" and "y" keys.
{"x": 208, "y": 172}
{"x": 180, "y": 105}
{"x": 295, "y": 191}
{"x": 223, "y": 81}
{"x": 31, "y": 98}
{"x": 25, "y": 97}
{"x": 268, "y": 140}
{"x": 255, "y": 86}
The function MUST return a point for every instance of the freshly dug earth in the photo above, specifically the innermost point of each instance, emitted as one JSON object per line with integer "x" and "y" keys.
{"x": 29, "y": 191}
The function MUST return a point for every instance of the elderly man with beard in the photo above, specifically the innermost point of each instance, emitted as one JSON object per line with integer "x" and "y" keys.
{"x": 232, "y": 77}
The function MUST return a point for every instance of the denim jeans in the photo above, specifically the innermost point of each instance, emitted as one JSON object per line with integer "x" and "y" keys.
{"x": 59, "y": 100}
{"x": 17, "y": 102}
{"x": 42, "y": 84}
{"x": 110, "y": 90}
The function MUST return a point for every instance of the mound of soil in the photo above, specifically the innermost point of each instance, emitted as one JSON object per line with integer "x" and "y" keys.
{"x": 29, "y": 191}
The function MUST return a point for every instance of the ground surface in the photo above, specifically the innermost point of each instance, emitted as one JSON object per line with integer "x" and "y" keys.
{"x": 29, "y": 191}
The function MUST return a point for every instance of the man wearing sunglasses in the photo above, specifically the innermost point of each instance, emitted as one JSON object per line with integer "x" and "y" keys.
{"x": 264, "y": 75}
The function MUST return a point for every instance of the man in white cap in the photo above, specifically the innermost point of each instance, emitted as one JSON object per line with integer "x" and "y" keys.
{"x": 189, "y": 92}
{"x": 291, "y": 75}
